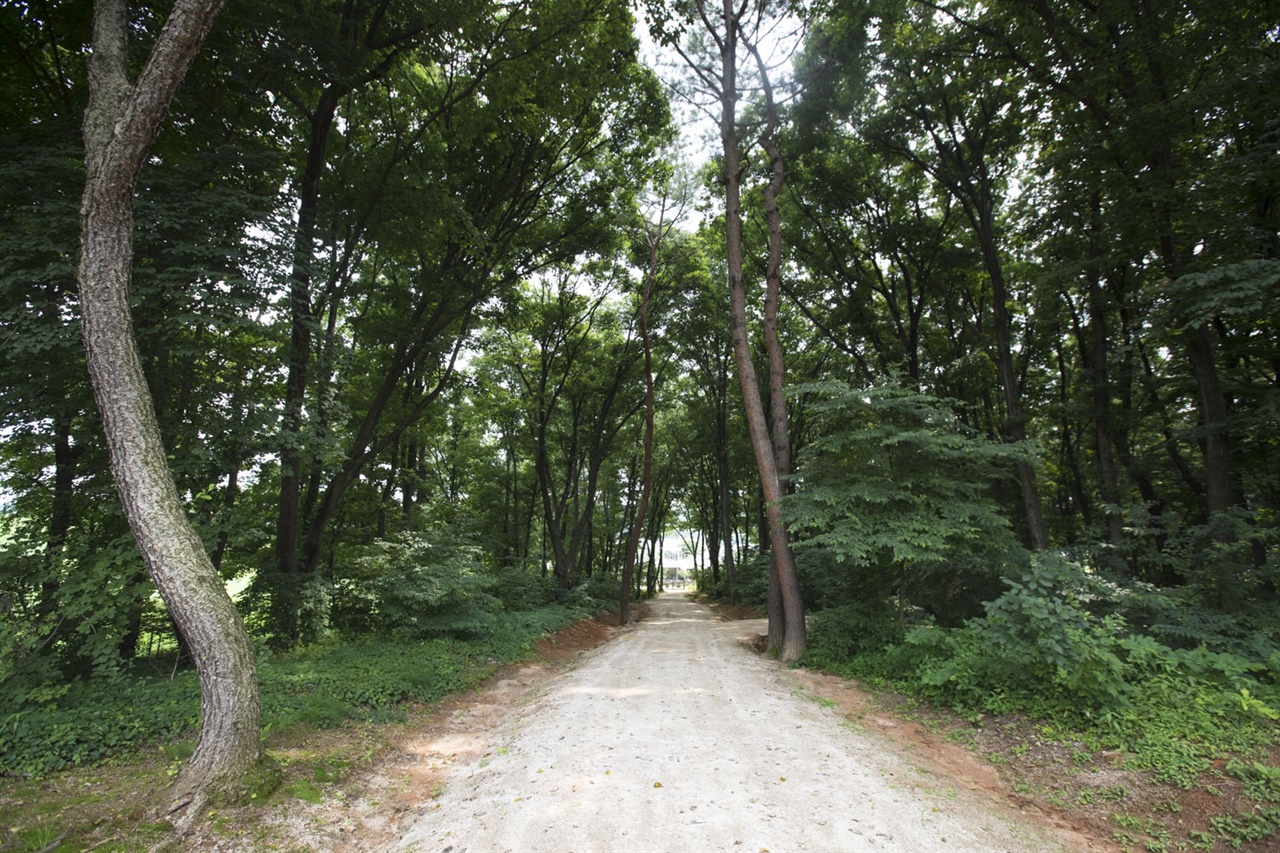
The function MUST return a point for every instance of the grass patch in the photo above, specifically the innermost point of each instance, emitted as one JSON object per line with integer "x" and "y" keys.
{"x": 305, "y": 790}
{"x": 322, "y": 724}
{"x": 326, "y": 685}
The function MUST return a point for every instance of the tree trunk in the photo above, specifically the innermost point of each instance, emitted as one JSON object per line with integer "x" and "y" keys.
{"x": 655, "y": 550}
{"x": 777, "y": 600}
{"x": 794, "y": 630}
{"x": 726, "y": 499}
{"x": 646, "y": 477}
{"x": 121, "y": 123}
{"x": 64, "y": 469}
{"x": 712, "y": 539}
{"x": 773, "y": 283}
{"x": 553, "y": 519}
{"x": 285, "y": 590}
{"x": 1073, "y": 497}
{"x": 1015, "y": 415}
{"x": 1099, "y": 350}
{"x": 964, "y": 172}
{"x": 1220, "y": 490}
{"x": 229, "y": 495}
{"x": 1200, "y": 341}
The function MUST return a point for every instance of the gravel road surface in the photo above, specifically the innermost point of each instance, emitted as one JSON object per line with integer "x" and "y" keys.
{"x": 676, "y": 737}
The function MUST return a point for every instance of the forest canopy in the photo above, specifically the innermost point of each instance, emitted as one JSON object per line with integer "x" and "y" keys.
{"x": 406, "y": 281}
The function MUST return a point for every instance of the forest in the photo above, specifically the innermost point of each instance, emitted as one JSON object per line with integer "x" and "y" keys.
{"x": 944, "y": 332}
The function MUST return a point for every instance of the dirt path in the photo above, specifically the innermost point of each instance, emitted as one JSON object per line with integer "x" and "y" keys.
{"x": 675, "y": 737}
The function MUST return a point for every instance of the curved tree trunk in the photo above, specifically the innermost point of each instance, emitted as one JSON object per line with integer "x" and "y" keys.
{"x": 121, "y": 122}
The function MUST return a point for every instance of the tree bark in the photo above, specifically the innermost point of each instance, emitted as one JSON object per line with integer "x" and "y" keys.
{"x": 1015, "y": 415}
{"x": 794, "y": 630}
{"x": 285, "y": 591}
{"x": 725, "y": 502}
{"x": 779, "y": 430}
{"x": 1099, "y": 351}
{"x": 121, "y": 123}
{"x": 1200, "y": 341}
{"x": 1220, "y": 490}
{"x": 646, "y": 476}
{"x": 64, "y": 469}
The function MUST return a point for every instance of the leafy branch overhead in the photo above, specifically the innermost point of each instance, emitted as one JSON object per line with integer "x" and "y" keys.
{"x": 960, "y": 362}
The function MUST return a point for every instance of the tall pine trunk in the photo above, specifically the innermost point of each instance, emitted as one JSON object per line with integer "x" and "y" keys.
{"x": 793, "y": 642}
{"x": 780, "y": 598}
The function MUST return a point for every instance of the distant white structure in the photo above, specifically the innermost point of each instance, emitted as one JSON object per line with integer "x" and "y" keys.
{"x": 682, "y": 552}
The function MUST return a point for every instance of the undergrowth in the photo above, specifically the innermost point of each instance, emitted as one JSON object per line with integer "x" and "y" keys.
{"x": 326, "y": 684}
{"x": 1057, "y": 648}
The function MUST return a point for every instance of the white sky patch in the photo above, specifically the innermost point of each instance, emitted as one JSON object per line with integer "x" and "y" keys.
{"x": 779, "y": 40}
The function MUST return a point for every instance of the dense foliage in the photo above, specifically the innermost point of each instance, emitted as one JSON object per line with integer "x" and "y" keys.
{"x": 389, "y": 259}
{"x": 1042, "y": 240}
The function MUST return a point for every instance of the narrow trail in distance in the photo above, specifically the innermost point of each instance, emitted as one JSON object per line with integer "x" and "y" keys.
{"x": 675, "y": 737}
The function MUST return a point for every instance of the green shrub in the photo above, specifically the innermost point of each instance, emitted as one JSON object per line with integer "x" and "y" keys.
{"x": 1038, "y": 637}
{"x": 895, "y": 490}
{"x": 95, "y": 720}
{"x": 330, "y": 683}
{"x": 1036, "y": 640}
{"x": 752, "y": 580}
{"x": 598, "y": 592}
{"x": 523, "y": 587}
{"x": 841, "y": 635}
{"x": 1042, "y": 649}
{"x": 1216, "y": 563}
{"x": 421, "y": 584}
{"x": 1180, "y": 618}
{"x": 65, "y": 618}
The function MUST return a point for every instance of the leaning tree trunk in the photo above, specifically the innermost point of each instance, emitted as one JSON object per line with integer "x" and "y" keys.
{"x": 779, "y": 558}
{"x": 121, "y": 123}
{"x": 780, "y": 546}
